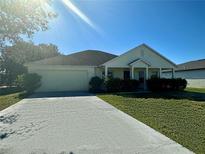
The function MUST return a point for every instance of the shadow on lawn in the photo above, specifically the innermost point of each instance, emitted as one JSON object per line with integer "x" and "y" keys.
{"x": 194, "y": 96}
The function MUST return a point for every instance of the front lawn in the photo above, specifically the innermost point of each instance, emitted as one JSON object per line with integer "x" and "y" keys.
{"x": 10, "y": 99}
{"x": 198, "y": 90}
{"x": 178, "y": 115}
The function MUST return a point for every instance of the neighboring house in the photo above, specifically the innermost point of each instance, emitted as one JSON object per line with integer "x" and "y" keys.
{"x": 193, "y": 72}
{"x": 73, "y": 72}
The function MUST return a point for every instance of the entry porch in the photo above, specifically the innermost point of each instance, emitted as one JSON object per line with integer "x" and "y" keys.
{"x": 142, "y": 74}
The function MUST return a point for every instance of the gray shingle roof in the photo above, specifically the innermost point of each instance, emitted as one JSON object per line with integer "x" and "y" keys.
{"x": 87, "y": 58}
{"x": 192, "y": 65}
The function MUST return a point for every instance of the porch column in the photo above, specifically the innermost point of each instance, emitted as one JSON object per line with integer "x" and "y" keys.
{"x": 160, "y": 72}
{"x": 173, "y": 73}
{"x": 147, "y": 73}
{"x": 106, "y": 72}
{"x": 132, "y": 72}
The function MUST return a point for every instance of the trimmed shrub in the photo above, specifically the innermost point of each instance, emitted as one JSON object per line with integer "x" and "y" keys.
{"x": 129, "y": 85}
{"x": 118, "y": 85}
{"x": 96, "y": 84}
{"x": 113, "y": 85}
{"x": 28, "y": 82}
{"x": 166, "y": 84}
{"x": 181, "y": 83}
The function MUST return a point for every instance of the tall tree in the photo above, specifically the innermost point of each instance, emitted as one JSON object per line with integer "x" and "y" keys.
{"x": 14, "y": 57}
{"x": 23, "y": 52}
{"x": 20, "y": 18}
{"x": 9, "y": 70}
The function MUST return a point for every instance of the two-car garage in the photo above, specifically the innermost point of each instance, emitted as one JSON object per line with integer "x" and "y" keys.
{"x": 66, "y": 78}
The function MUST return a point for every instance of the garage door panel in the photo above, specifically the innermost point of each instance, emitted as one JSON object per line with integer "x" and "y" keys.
{"x": 64, "y": 80}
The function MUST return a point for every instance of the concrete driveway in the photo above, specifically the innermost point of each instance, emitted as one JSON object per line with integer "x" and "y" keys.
{"x": 77, "y": 125}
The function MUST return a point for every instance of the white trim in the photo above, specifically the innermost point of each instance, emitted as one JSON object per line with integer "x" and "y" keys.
{"x": 147, "y": 73}
{"x": 132, "y": 72}
{"x": 160, "y": 72}
{"x": 142, "y": 60}
{"x": 173, "y": 73}
{"x": 106, "y": 72}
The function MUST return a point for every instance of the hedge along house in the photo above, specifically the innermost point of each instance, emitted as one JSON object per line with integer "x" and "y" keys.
{"x": 192, "y": 71}
{"x": 73, "y": 72}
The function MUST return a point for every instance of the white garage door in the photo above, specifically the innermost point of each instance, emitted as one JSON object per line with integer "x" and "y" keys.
{"x": 64, "y": 80}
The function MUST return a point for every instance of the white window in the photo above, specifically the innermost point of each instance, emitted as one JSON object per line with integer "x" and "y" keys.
{"x": 154, "y": 74}
{"x": 110, "y": 74}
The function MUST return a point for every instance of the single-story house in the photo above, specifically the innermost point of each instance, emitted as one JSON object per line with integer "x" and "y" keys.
{"x": 73, "y": 72}
{"x": 192, "y": 71}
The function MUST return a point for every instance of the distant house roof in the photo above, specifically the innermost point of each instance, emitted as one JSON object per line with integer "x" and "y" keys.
{"x": 87, "y": 57}
{"x": 192, "y": 65}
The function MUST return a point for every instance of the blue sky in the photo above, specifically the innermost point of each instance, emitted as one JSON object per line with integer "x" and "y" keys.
{"x": 176, "y": 29}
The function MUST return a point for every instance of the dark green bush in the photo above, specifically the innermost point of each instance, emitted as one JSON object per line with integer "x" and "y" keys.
{"x": 129, "y": 85}
{"x": 118, "y": 85}
{"x": 28, "y": 82}
{"x": 113, "y": 85}
{"x": 96, "y": 84}
{"x": 181, "y": 83}
{"x": 166, "y": 84}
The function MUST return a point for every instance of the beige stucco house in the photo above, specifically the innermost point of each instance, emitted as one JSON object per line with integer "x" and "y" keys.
{"x": 73, "y": 72}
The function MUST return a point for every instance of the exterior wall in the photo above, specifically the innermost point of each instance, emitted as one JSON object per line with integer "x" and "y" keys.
{"x": 140, "y": 52}
{"x": 72, "y": 78}
{"x": 198, "y": 83}
{"x": 35, "y": 68}
{"x": 118, "y": 72}
{"x": 195, "y": 78}
{"x": 98, "y": 71}
{"x": 139, "y": 64}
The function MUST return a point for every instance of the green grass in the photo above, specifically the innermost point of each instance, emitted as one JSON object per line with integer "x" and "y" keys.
{"x": 198, "y": 90}
{"x": 181, "y": 119}
{"x": 10, "y": 99}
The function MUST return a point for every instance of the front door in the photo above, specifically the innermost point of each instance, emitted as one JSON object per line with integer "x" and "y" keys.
{"x": 126, "y": 75}
{"x": 141, "y": 79}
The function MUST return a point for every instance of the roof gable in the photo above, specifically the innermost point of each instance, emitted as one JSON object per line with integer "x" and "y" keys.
{"x": 141, "y": 52}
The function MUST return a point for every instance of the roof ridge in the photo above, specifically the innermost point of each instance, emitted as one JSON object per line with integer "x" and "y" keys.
{"x": 192, "y": 61}
{"x": 86, "y": 57}
{"x": 92, "y": 50}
